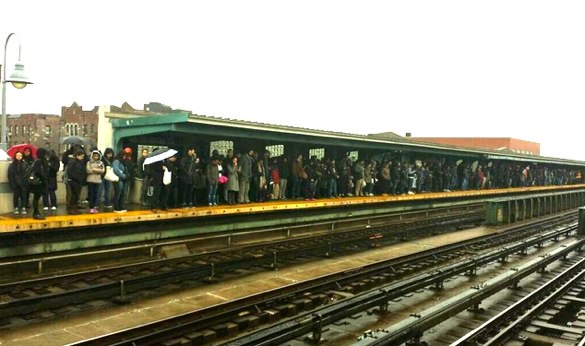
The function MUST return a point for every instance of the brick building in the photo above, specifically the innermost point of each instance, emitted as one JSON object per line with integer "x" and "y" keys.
{"x": 40, "y": 130}
{"x": 48, "y": 130}
{"x": 513, "y": 145}
{"x": 74, "y": 121}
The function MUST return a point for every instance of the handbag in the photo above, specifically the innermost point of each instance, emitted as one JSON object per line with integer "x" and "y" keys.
{"x": 31, "y": 177}
{"x": 222, "y": 179}
{"x": 110, "y": 175}
{"x": 167, "y": 177}
{"x": 33, "y": 180}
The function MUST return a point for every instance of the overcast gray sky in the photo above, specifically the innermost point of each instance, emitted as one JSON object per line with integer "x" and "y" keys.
{"x": 432, "y": 68}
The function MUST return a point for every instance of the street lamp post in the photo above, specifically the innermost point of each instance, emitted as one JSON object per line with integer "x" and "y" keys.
{"x": 18, "y": 79}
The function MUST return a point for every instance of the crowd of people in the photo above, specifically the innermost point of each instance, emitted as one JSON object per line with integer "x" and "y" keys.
{"x": 187, "y": 180}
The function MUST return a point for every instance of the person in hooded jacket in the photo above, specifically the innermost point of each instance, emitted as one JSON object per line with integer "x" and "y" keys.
{"x": 17, "y": 180}
{"x": 41, "y": 171}
{"x": 94, "y": 168}
{"x": 107, "y": 186}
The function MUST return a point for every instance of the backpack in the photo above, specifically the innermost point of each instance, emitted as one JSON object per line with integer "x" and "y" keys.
{"x": 31, "y": 178}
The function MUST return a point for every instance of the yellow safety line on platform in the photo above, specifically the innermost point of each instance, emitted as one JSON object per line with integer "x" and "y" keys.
{"x": 9, "y": 223}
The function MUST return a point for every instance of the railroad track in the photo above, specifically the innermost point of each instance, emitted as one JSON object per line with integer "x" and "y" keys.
{"x": 412, "y": 329}
{"x": 28, "y": 301}
{"x": 388, "y": 225}
{"x": 550, "y": 314}
{"x": 333, "y": 298}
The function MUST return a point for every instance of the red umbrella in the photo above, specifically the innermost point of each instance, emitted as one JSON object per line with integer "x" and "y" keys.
{"x": 20, "y": 147}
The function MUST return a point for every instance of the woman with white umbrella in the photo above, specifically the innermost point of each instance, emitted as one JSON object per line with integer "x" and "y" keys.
{"x": 155, "y": 172}
{"x": 159, "y": 190}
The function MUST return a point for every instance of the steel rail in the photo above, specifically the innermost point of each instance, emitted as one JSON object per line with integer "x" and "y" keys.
{"x": 414, "y": 328}
{"x": 532, "y": 304}
{"x": 380, "y": 297}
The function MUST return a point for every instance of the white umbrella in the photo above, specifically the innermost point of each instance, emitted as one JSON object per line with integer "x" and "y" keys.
{"x": 4, "y": 156}
{"x": 159, "y": 155}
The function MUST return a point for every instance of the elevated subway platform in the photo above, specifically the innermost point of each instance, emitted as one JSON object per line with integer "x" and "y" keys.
{"x": 136, "y": 214}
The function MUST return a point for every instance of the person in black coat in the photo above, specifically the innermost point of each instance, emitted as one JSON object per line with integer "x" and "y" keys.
{"x": 187, "y": 171}
{"x": 50, "y": 200}
{"x": 40, "y": 171}
{"x": 76, "y": 175}
{"x": 17, "y": 180}
{"x": 173, "y": 187}
{"x": 159, "y": 195}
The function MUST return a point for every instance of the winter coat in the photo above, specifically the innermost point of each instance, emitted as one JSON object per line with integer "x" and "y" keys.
{"x": 212, "y": 173}
{"x": 95, "y": 169}
{"x": 187, "y": 170}
{"x": 41, "y": 171}
{"x": 76, "y": 173}
{"x": 17, "y": 174}
{"x": 233, "y": 183}
{"x": 54, "y": 165}
{"x": 120, "y": 169}
{"x": 246, "y": 163}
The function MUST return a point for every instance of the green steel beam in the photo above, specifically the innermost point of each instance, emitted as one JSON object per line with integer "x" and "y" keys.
{"x": 151, "y": 120}
{"x": 263, "y": 221}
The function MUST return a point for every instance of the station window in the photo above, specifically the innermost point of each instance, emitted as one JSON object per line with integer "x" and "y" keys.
{"x": 150, "y": 148}
{"x": 275, "y": 150}
{"x": 354, "y": 155}
{"x": 85, "y": 129}
{"x": 30, "y": 129}
{"x": 16, "y": 130}
{"x": 92, "y": 129}
{"x": 47, "y": 130}
{"x": 319, "y": 152}
{"x": 24, "y": 130}
{"x": 221, "y": 146}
